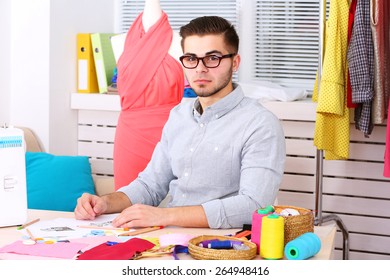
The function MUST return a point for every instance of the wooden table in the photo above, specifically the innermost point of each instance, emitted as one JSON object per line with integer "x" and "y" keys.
{"x": 10, "y": 234}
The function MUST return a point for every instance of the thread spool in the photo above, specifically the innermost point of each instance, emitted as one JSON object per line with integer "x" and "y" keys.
{"x": 256, "y": 224}
{"x": 272, "y": 237}
{"x": 223, "y": 244}
{"x": 303, "y": 247}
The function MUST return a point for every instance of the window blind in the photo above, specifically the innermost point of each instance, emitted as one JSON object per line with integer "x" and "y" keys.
{"x": 180, "y": 12}
{"x": 286, "y": 42}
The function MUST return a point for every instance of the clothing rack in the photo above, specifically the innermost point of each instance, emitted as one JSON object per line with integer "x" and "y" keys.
{"x": 319, "y": 218}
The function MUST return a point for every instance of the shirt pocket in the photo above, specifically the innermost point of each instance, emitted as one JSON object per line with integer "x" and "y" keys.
{"x": 213, "y": 162}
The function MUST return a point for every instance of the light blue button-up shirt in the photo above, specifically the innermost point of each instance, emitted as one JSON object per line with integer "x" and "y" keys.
{"x": 229, "y": 159}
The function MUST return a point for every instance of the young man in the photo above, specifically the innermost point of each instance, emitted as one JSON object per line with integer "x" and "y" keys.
{"x": 220, "y": 157}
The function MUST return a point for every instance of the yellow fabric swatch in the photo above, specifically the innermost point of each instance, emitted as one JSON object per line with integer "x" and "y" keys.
{"x": 333, "y": 117}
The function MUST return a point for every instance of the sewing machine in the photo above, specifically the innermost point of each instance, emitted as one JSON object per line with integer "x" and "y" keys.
{"x": 13, "y": 191}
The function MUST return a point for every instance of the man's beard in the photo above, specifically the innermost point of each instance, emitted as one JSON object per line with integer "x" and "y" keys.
{"x": 203, "y": 92}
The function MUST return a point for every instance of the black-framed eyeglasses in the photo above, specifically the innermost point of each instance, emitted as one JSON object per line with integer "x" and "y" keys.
{"x": 210, "y": 61}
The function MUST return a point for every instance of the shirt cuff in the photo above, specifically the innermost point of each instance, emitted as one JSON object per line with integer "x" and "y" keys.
{"x": 133, "y": 193}
{"x": 214, "y": 213}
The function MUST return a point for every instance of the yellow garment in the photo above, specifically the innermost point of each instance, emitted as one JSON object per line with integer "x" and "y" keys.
{"x": 332, "y": 120}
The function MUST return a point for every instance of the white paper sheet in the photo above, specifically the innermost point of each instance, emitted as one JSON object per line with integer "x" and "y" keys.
{"x": 68, "y": 228}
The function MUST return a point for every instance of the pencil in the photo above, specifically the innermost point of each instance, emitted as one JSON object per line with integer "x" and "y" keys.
{"x": 29, "y": 223}
{"x": 140, "y": 231}
{"x": 102, "y": 228}
{"x": 30, "y": 234}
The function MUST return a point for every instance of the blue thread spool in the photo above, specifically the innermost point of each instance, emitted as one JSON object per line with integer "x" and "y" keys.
{"x": 223, "y": 244}
{"x": 303, "y": 247}
{"x": 205, "y": 243}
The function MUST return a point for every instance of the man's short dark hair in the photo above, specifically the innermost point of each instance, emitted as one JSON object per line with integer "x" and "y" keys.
{"x": 211, "y": 25}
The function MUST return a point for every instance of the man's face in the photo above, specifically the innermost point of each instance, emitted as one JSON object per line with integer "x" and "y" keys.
{"x": 206, "y": 82}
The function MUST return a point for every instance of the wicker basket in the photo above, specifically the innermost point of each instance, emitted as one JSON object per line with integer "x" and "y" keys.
{"x": 295, "y": 226}
{"x": 201, "y": 253}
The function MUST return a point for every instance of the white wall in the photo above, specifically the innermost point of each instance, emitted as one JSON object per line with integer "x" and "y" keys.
{"x": 246, "y": 46}
{"x": 5, "y": 36}
{"x": 42, "y": 64}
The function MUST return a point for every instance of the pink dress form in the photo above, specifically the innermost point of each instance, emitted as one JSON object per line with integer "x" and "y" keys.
{"x": 150, "y": 83}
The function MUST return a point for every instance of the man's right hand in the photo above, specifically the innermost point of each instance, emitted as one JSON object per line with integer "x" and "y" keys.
{"x": 89, "y": 207}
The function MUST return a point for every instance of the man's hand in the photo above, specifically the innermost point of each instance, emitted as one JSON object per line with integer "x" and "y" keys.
{"x": 139, "y": 215}
{"x": 89, "y": 207}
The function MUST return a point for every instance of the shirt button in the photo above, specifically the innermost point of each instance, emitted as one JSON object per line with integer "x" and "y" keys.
{"x": 191, "y": 149}
{"x": 216, "y": 149}
{"x": 183, "y": 195}
{"x": 201, "y": 125}
{"x": 216, "y": 116}
{"x": 186, "y": 174}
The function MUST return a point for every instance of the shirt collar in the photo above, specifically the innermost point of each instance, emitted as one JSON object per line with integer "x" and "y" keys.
{"x": 223, "y": 106}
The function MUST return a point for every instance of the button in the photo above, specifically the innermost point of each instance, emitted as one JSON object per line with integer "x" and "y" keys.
{"x": 201, "y": 125}
{"x": 216, "y": 149}
{"x": 186, "y": 174}
{"x": 183, "y": 195}
{"x": 216, "y": 116}
{"x": 191, "y": 149}
{"x": 29, "y": 242}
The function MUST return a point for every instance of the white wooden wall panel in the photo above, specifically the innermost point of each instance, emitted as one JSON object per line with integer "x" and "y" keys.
{"x": 96, "y": 133}
{"x": 360, "y": 224}
{"x": 96, "y": 150}
{"x": 102, "y": 167}
{"x": 364, "y": 243}
{"x": 94, "y": 117}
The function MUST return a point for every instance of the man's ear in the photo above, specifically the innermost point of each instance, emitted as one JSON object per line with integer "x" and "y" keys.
{"x": 236, "y": 62}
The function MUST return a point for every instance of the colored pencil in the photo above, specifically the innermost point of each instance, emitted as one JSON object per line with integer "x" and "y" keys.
{"x": 29, "y": 223}
{"x": 244, "y": 233}
{"x": 30, "y": 234}
{"x": 140, "y": 231}
{"x": 102, "y": 228}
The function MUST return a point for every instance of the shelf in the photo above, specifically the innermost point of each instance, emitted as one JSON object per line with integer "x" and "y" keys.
{"x": 304, "y": 110}
{"x": 95, "y": 101}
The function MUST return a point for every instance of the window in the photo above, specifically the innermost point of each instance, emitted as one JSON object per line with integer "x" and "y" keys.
{"x": 279, "y": 38}
{"x": 180, "y": 12}
{"x": 286, "y": 42}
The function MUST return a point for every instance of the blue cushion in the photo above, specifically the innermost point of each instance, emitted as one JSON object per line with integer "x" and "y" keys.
{"x": 55, "y": 182}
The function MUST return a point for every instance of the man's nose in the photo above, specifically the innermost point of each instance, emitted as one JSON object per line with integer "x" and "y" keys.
{"x": 201, "y": 67}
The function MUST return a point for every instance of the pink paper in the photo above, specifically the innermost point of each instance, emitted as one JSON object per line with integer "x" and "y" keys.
{"x": 63, "y": 250}
{"x": 94, "y": 241}
{"x": 175, "y": 239}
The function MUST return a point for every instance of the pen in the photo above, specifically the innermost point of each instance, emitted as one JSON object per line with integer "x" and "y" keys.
{"x": 140, "y": 231}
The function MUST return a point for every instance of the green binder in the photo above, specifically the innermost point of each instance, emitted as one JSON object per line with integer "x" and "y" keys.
{"x": 103, "y": 55}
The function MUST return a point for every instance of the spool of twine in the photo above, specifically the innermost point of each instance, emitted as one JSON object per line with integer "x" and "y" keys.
{"x": 303, "y": 247}
{"x": 257, "y": 217}
{"x": 272, "y": 237}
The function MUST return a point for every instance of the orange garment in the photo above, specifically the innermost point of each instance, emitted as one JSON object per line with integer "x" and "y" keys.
{"x": 150, "y": 83}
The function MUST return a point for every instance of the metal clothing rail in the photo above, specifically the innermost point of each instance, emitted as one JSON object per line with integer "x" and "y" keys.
{"x": 319, "y": 219}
